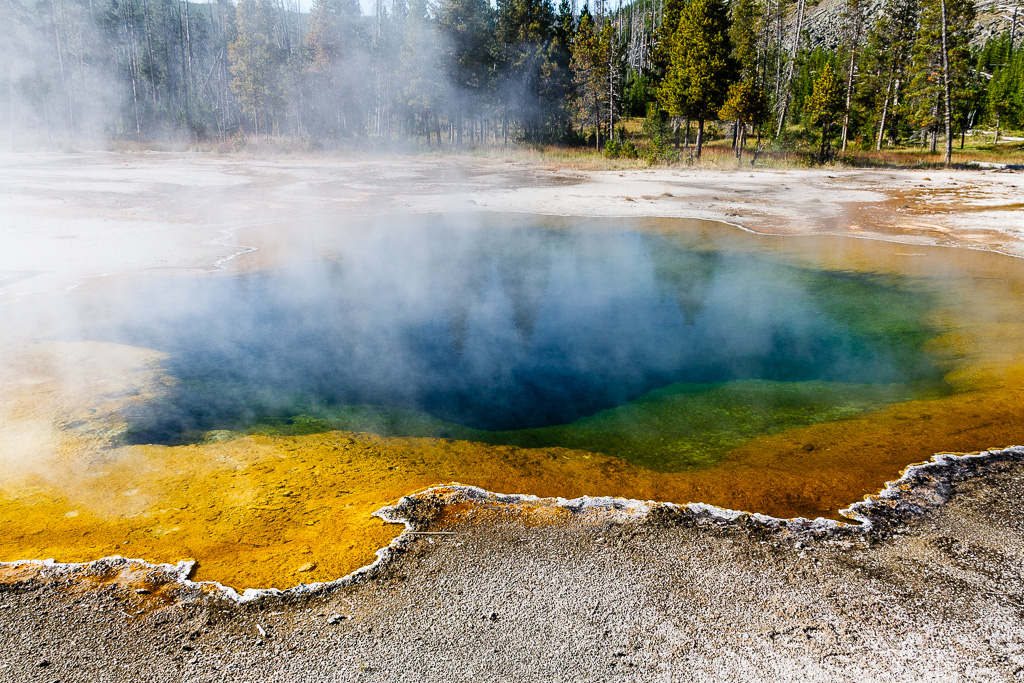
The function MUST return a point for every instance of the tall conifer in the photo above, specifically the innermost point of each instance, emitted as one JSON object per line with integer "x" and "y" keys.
{"x": 701, "y": 66}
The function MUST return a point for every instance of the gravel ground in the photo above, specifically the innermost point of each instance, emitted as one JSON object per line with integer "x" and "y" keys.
{"x": 935, "y": 591}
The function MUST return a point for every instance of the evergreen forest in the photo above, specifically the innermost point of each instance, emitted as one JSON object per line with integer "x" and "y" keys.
{"x": 457, "y": 74}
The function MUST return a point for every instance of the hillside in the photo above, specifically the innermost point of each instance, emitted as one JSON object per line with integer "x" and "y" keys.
{"x": 826, "y": 23}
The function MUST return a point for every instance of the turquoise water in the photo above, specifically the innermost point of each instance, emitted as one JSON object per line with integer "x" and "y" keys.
{"x": 665, "y": 350}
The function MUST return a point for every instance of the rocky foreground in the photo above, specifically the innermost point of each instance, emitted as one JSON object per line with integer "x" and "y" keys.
{"x": 933, "y": 590}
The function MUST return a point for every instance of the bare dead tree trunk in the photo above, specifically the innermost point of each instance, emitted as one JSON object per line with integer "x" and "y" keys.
{"x": 60, "y": 62}
{"x": 284, "y": 41}
{"x": 133, "y": 67}
{"x": 894, "y": 124}
{"x": 49, "y": 131}
{"x": 762, "y": 59}
{"x": 135, "y": 101}
{"x": 221, "y": 68}
{"x": 778, "y": 51}
{"x": 10, "y": 102}
{"x": 849, "y": 95}
{"x": 885, "y": 110}
{"x": 191, "y": 82}
{"x": 945, "y": 87}
{"x": 856, "y": 26}
{"x": 378, "y": 9}
{"x": 611, "y": 85}
{"x": 789, "y": 71}
{"x": 1013, "y": 28}
{"x": 149, "y": 47}
{"x": 185, "y": 65}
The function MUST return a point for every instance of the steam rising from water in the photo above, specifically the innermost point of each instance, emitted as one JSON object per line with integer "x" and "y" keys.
{"x": 499, "y": 324}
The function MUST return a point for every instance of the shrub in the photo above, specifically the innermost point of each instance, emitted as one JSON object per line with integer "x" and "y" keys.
{"x": 620, "y": 148}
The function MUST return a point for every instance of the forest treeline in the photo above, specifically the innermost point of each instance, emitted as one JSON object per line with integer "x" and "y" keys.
{"x": 463, "y": 72}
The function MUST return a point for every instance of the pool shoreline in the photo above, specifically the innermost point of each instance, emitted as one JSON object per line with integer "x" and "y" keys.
{"x": 931, "y": 591}
{"x": 920, "y": 489}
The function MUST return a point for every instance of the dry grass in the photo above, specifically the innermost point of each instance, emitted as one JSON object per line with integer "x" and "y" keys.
{"x": 916, "y": 157}
{"x": 717, "y": 153}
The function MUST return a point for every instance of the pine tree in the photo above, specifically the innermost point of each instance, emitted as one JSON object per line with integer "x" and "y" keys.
{"x": 851, "y": 49}
{"x": 664, "y": 37}
{"x": 558, "y": 75}
{"x": 421, "y": 91}
{"x": 466, "y": 27}
{"x": 941, "y": 65}
{"x": 255, "y": 63}
{"x": 701, "y": 67}
{"x": 886, "y": 61}
{"x": 746, "y": 101}
{"x": 523, "y": 30}
{"x": 1006, "y": 89}
{"x": 336, "y": 89}
{"x": 565, "y": 24}
{"x": 959, "y": 19}
{"x": 825, "y": 104}
{"x": 745, "y": 33}
{"x": 589, "y": 75}
{"x": 925, "y": 93}
{"x": 386, "y": 53}
{"x": 747, "y": 105}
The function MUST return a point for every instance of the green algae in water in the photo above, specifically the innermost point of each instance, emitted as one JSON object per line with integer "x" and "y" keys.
{"x": 689, "y": 426}
{"x": 680, "y": 427}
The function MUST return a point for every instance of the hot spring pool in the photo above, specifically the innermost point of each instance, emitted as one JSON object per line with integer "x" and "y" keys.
{"x": 662, "y": 349}
{"x": 673, "y": 360}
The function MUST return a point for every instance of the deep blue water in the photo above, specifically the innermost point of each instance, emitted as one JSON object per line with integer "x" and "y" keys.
{"x": 502, "y": 327}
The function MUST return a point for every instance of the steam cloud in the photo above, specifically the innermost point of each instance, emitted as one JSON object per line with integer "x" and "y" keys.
{"x": 488, "y": 322}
